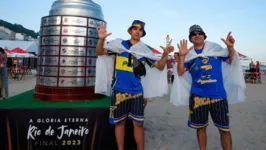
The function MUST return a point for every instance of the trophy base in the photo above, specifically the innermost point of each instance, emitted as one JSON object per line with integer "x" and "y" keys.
{"x": 59, "y": 94}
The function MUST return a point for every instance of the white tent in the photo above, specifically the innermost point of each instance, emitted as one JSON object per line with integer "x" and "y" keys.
{"x": 20, "y": 55}
{"x": 29, "y": 46}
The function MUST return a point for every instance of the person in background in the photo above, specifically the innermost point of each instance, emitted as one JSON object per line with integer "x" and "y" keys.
{"x": 258, "y": 66}
{"x": 174, "y": 64}
{"x": 4, "y": 75}
{"x": 252, "y": 67}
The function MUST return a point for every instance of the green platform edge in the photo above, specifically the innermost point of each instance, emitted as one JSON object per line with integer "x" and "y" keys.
{"x": 26, "y": 101}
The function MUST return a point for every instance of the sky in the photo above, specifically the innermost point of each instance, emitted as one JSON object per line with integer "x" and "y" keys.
{"x": 244, "y": 18}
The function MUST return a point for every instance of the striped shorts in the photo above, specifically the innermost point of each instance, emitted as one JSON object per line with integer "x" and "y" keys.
{"x": 199, "y": 108}
{"x": 126, "y": 105}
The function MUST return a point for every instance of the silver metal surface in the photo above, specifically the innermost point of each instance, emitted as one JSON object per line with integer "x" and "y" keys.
{"x": 72, "y": 61}
{"x": 71, "y": 82}
{"x": 52, "y": 30}
{"x": 90, "y": 81}
{"x": 77, "y": 31}
{"x": 91, "y": 52}
{"x": 53, "y": 20}
{"x": 92, "y": 32}
{"x": 94, "y": 23}
{"x": 91, "y": 62}
{"x": 49, "y": 50}
{"x": 47, "y": 81}
{"x": 73, "y": 51}
{"x": 91, "y": 72}
{"x": 69, "y": 33}
{"x": 48, "y": 71}
{"x": 92, "y": 42}
{"x": 50, "y": 40}
{"x": 78, "y": 21}
{"x": 72, "y": 71}
{"x": 47, "y": 60}
{"x": 85, "y": 8}
{"x": 77, "y": 41}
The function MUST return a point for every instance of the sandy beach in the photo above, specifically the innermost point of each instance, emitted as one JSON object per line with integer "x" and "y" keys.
{"x": 166, "y": 125}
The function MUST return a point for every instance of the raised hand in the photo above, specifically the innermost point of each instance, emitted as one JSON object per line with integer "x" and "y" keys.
{"x": 102, "y": 34}
{"x": 183, "y": 50}
{"x": 229, "y": 41}
{"x": 168, "y": 49}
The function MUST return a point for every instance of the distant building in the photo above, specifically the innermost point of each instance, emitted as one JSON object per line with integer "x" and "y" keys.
{"x": 31, "y": 38}
{"x": 12, "y": 35}
{"x": 19, "y": 37}
{"x": 3, "y": 35}
{"x": 6, "y": 34}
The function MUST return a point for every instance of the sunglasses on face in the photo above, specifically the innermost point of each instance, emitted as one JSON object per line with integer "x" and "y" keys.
{"x": 196, "y": 33}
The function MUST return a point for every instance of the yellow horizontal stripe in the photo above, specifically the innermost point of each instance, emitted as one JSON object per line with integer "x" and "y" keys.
{"x": 139, "y": 119}
{"x": 122, "y": 64}
{"x": 120, "y": 119}
{"x": 224, "y": 129}
{"x": 198, "y": 126}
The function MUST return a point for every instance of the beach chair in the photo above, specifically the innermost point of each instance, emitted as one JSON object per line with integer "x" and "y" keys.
{"x": 257, "y": 77}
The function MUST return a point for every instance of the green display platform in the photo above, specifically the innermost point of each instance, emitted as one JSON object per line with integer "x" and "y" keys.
{"x": 27, "y": 101}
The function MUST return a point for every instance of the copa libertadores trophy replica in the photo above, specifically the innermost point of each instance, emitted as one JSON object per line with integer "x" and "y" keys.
{"x": 67, "y": 59}
{"x": 168, "y": 40}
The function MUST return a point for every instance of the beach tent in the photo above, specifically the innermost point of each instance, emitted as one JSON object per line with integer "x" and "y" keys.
{"x": 18, "y": 50}
{"x": 28, "y": 46}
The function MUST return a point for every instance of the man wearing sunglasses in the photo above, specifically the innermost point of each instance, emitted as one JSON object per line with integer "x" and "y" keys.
{"x": 207, "y": 93}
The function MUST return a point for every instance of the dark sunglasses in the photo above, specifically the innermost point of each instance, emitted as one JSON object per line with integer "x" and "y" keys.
{"x": 196, "y": 33}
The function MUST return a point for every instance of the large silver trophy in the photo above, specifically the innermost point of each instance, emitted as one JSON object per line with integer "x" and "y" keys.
{"x": 67, "y": 59}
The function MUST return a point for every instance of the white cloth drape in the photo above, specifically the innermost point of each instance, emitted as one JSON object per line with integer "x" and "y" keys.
{"x": 154, "y": 83}
{"x": 233, "y": 77}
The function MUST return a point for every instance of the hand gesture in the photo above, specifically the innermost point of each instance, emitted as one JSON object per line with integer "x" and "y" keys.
{"x": 168, "y": 49}
{"x": 102, "y": 34}
{"x": 230, "y": 41}
{"x": 183, "y": 50}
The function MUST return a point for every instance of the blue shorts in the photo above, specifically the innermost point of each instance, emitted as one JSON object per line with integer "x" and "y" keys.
{"x": 199, "y": 108}
{"x": 126, "y": 105}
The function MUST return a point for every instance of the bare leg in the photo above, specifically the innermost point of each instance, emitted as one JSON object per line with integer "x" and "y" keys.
{"x": 139, "y": 135}
{"x": 226, "y": 140}
{"x": 202, "y": 138}
{"x": 120, "y": 134}
{"x": 145, "y": 102}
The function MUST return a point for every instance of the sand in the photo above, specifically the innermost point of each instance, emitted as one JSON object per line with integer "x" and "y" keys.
{"x": 166, "y": 125}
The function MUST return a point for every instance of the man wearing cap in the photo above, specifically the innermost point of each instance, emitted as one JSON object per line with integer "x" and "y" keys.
{"x": 127, "y": 99}
{"x": 203, "y": 70}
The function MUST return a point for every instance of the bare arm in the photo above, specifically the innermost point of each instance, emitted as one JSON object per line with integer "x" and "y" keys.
{"x": 102, "y": 34}
{"x": 181, "y": 66}
{"x": 99, "y": 48}
{"x": 231, "y": 54}
{"x": 230, "y": 41}
{"x": 161, "y": 63}
{"x": 183, "y": 50}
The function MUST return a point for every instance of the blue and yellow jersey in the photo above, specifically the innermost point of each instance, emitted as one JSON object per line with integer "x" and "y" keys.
{"x": 124, "y": 79}
{"x": 207, "y": 78}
